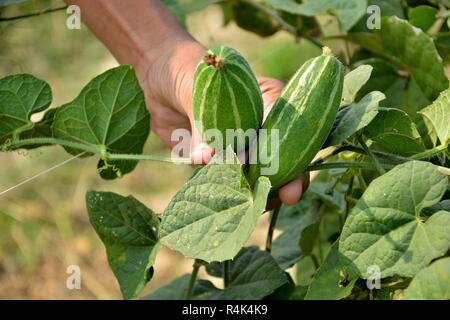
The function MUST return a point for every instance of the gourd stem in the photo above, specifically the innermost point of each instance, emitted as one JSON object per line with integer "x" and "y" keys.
{"x": 273, "y": 222}
{"x": 193, "y": 279}
{"x": 374, "y": 160}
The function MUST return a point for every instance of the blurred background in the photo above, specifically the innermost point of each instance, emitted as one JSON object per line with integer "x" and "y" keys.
{"x": 44, "y": 226}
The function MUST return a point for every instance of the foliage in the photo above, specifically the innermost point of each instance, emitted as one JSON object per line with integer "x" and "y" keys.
{"x": 380, "y": 199}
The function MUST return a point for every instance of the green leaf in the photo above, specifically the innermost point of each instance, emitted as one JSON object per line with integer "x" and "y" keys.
{"x": 254, "y": 274}
{"x": 309, "y": 237}
{"x": 382, "y": 77}
{"x": 348, "y": 12}
{"x": 355, "y": 117}
{"x": 443, "y": 205}
{"x": 21, "y": 96}
{"x": 327, "y": 283}
{"x": 410, "y": 49}
{"x": 213, "y": 214}
{"x": 293, "y": 220}
{"x": 438, "y": 114}
{"x": 422, "y": 17}
{"x": 431, "y": 283}
{"x": 176, "y": 290}
{"x": 109, "y": 113}
{"x": 386, "y": 228}
{"x": 354, "y": 81}
{"x": 416, "y": 52}
{"x": 392, "y": 130}
{"x": 129, "y": 231}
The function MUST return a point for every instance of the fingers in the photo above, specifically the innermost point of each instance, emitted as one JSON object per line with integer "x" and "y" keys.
{"x": 201, "y": 153}
{"x": 291, "y": 193}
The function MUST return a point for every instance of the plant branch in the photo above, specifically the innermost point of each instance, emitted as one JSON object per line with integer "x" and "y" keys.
{"x": 91, "y": 149}
{"x": 273, "y": 222}
{"x": 345, "y": 165}
{"x": 429, "y": 153}
{"x": 193, "y": 279}
{"x": 34, "y": 14}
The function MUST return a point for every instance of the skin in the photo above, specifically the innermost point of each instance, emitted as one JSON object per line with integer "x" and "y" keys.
{"x": 144, "y": 34}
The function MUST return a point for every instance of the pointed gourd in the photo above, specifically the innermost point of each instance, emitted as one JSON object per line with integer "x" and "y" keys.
{"x": 226, "y": 96}
{"x": 300, "y": 121}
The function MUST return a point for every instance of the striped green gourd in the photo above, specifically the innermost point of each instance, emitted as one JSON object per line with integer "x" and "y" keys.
{"x": 304, "y": 115}
{"x": 226, "y": 93}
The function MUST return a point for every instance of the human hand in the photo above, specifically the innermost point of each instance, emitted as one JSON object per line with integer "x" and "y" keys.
{"x": 168, "y": 85}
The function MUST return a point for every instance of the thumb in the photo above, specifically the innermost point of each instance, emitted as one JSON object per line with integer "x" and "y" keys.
{"x": 201, "y": 152}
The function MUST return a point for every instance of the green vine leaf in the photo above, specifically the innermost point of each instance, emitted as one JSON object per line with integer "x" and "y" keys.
{"x": 410, "y": 49}
{"x": 438, "y": 115}
{"x": 294, "y": 220}
{"x": 422, "y": 17}
{"x": 176, "y": 290}
{"x": 355, "y": 117}
{"x": 254, "y": 274}
{"x": 354, "y": 81}
{"x": 213, "y": 214}
{"x": 431, "y": 283}
{"x": 21, "y": 96}
{"x": 129, "y": 231}
{"x": 386, "y": 227}
{"x": 327, "y": 283}
{"x": 392, "y": 130}
{"x": 109, "y": 114}
{"x": 348, "y": 12}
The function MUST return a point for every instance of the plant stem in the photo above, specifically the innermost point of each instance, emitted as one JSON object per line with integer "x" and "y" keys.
{"x": 429, "y": 153}
{"x": 34, "y": 14}
{"x": 374, "y": 160}
{"x": 91, "y": 149}
{"x": 345, "y": 165}
{"x": 347, "y": 199}
{"x": 193, "y": 279}
{"x": 226, "y": 273}
{"x": 315, "y": 261}
{"x": 273, "y": 222}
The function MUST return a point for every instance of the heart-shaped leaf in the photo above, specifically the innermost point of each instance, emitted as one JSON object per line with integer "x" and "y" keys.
{"x": 386, "y": 228}
{"x": 129, "y": 231}
{"x": 431, "y": 283}
{"x": 21, "y": 96}
{"x": 253, "y": 275}
{"x": 109, "y": 113}
{"x": 213, "y": 214}
{"x": 331, "y": 281}
{"x": 393, "y": 130}
{"x": 438, "y": 114}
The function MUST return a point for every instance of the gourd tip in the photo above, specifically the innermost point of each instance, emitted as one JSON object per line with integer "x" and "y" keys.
{"x": 213, "y": 61}
{"x": 326, "y": 51}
